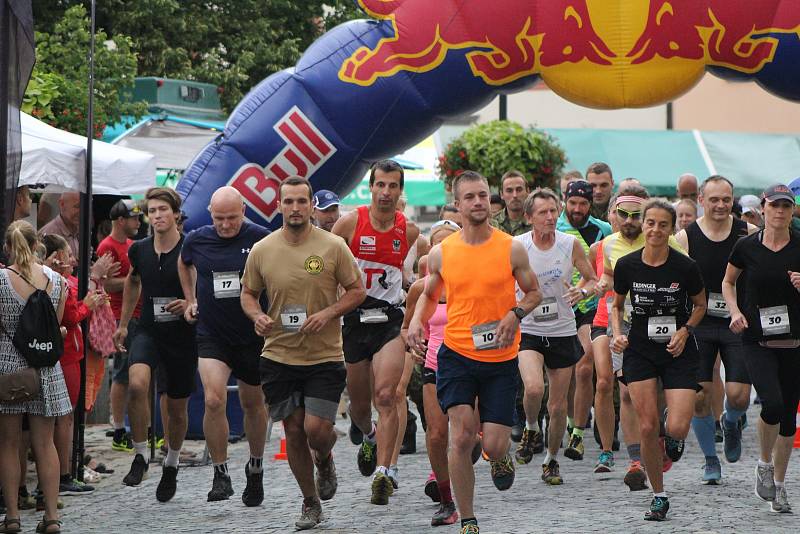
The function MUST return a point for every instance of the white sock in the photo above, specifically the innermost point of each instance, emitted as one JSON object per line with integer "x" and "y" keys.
{"x": 764, "y": 464}
{"x": 371, "y": 437}
{"x": 172, "y": 457}
{"x": 662, "y": 494}
{"x": 381, "y": 469}
{"x": 779, "y": 484}
{"x": 548, "y": 458}
{"x": 533, "y": 426}
{"x": 141, "y": 448}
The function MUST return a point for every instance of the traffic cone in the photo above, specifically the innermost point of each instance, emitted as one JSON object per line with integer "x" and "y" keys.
{"x": 797, "y": 434}
{"x": 281, "y": 455}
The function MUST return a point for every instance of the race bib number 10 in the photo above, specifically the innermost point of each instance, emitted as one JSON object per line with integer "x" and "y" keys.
{"x": 484, "y": 336}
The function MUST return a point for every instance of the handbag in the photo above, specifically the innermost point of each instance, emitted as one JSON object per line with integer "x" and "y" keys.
{"x": 20, "y": 386}
{"x": 101, "y": 330}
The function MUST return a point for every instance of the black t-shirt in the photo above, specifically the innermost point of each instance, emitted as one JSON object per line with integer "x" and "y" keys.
{"x": 160, "y": 285}
{"x": 658, "y": 294}
{"x": 767, "y": 286}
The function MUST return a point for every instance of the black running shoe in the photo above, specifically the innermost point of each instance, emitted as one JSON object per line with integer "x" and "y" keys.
{"x": 221, "y": 487}
{"x": 718, "y": 435}
{"x": 659, "y": 507}
{"x": 137, "y": 473}
{"x": 575, "y": 449}
{"x": 432, "y": 489}
{"x": 674, "y": 448}
{"x": 168, "y": 484}
{"x": 356, "y": 436}
{"x": 524, "y": 452}
{"x": 503, "y": 473}
{"x": 253, "y": 493}
{"x": 367, "y": 458}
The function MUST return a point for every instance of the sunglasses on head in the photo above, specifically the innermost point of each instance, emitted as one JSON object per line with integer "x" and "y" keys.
{"x": 624, "y": 214}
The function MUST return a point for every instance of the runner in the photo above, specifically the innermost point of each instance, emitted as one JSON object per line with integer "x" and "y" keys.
{"x": 709, "y": 241}
{"x": 301, "y": 364}
{"x": 163, "y": 337}
{"x": 663, "y": 284}
{"x": 212, "y": 261}
{"x": 769, "y": 320}
{"x": 514, "y": 189}
{"x": 575, "y": 220}
{"x": 549, "y": 334}
{"x": 379, "y": 237}
{"x": 326, "y": 209}
{"x": 436, "y": 434}
{"x": 478, "y": 358}
{"x": 602, "y": 180}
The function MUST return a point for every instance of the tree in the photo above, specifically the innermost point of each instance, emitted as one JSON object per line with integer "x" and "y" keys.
{"x": 58, "y": 91}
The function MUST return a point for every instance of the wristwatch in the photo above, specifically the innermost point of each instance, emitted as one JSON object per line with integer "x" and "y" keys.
{"x": 519, "y": 312}
{"x": 584, "y": 292}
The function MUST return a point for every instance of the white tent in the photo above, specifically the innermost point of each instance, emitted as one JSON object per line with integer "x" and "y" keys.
{"x": 56, "y": 159}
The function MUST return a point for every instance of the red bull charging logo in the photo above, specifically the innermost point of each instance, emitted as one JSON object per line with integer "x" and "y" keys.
{"x": 599, "y": 53}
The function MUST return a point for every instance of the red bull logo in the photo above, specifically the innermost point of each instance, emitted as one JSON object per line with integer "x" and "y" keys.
{"x": 306, "y": 151}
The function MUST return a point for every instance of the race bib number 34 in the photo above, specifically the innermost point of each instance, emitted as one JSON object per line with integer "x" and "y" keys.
{"x": 160, "y": 313}
{"x": 484, "y": 336}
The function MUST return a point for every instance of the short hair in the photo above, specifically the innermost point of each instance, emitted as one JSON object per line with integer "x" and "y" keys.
{"x": 467, "y": 176}
{"x": 387, "y": 165}
{"x": 164, "y": 194}
{"x": 297, "y": 180}
{"x": 497, "y": 199}
{"x": 572, "y": 175}
{"x": 599, "y": 168}
{"x": 544, "y": 193}
{"x": 447, "y": 208}
{"x": 661, "y": 204}
{"x": 633, "y": 190}
{"x": 512, "y": 174}
{"x": 686, "y": 202}
{"x": 714, "y": 179}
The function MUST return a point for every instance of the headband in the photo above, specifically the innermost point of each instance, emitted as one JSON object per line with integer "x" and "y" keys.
{"x": 629, "y": 198}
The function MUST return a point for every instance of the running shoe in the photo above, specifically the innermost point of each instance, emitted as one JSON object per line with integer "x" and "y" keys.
{"x": 674, "y": 448}
{"x": 551, "y": 474}
{"x": 381, "y": 489}
{"x": 575, "y": 449}
{"x": 432, "y": 489}
{"x": 718, "y": 434}
{"x": 470, "y": 528}
{"x": 394, "y": 475}
{"x": 445, "y": 515}
{"x": 326, "y": 480}
{"x": 253, "y": 493}
{"x": 367, "y": 458}
{"x": 355, "y": 434}
{"x": 168, "y": 483}
{"x": 780, "y": 504}
{"x": 517, "y": 432}
{"x": 221, "y": 487}
{"x": 73, "y": 487}
{"x": 635, "y": 478}
{"x": 503, "y": 473}
{"x": 524, "y": 452}
{"x": 310, "y": 515}
{"x": 605, "y": 462}
{"x": 659, "y": 507}
{"x": 122, "y": 445}
{"x": 732, "y": 434}
{"x": 712, "y": 473}
{"x": 765, "y": 482}
{"x": 666, "y": 461}
{"x": 137, "y": 473}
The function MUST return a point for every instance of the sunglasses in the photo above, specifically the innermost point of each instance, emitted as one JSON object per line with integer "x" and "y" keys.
{"x": 625, "y": 214}
{"x": 445, "y": 222}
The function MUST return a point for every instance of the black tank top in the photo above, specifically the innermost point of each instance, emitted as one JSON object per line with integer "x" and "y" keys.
{"x": 712, "y": 256}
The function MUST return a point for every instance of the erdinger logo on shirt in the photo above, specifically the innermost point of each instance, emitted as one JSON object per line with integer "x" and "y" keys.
{"x": 645, "y": 288}
{"x": 367, "y": 244}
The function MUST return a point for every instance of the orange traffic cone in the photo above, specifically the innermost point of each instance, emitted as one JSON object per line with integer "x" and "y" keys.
{"x": 797, "y": 434}
{"x": 281, "y": 455}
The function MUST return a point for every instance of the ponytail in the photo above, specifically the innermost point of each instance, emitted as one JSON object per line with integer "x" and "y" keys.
{"x": 20, "y": 241}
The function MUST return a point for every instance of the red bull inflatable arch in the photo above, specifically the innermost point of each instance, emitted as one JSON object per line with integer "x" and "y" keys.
{"x": 368, "y": 89}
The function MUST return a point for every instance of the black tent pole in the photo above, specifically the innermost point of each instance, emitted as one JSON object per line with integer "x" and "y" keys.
{"x": 5, "y": 61}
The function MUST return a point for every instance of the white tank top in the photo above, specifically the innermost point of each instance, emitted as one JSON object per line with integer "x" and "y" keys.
{"x": 553, "y": 317}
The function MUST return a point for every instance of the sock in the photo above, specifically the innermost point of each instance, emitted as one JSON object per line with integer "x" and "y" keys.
{"x": 172, "y": 457}
{"x": 381, "y": 469}
{"x": 704, "y": 431}
{"x": 533, "y": 426}
{"x": 370, "y": 438}
{"x": 221, "y": 468}
{"x": 779, "y": 484}
{"x": 764, "y": 464}
{"x": 548, "y": 458}
{"x": 662, "y": 494}
{"x": 141, "y": 448}
{"x": 732, "y": 415}
{"x": 444, "y": 491}
{"x": 393, "y": 471}
{"x": 635, "y": 452}
{"x": 469, "y": 521}
{"x": 256, "y": 464}
{"x": 577, "y": 432}
{"x": 570, "y": 422}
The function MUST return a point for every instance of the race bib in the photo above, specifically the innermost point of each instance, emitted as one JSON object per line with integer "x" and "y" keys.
{"x": 717, "y": 307}
{"x": 160, "y": 313}
{"x": 227, "y": 285}
{"x": 547, "y": 310}
{"x": 293, "y": 317}
{"x": 375, "y": 315}
{"x": 774, "y": 320}
{"x": 484, "y": 336}
{"x": 660, "y": 329}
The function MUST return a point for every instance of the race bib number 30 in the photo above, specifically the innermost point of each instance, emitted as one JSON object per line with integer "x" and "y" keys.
{"x": 717, "y": 307}
{"x": 484, "y": 336}
{"x": 774, "y": 320}
{"x": 160, "y": 313}
{"x": 546, "y": 311}
{"x": 660, "y": 329}
{"x": 293, "y": 317}
{"x": 227, "y": 285}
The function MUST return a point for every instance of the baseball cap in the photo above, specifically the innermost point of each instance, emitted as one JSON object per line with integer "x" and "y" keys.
{"x": 778, "y": 192}
{"x": 749, "y": 201}
{"x": 125, "y": 208}
{"x": 579, "y": 188}
{"x": 795, "y": 187}
{"x": 324, "y": 199}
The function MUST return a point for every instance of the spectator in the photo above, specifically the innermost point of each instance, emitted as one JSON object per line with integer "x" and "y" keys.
{"x": 22, "y": 207}
{"x": 496, "y": 205}
{"x": 686, "y": 210}
{"x": 68, "y": 221}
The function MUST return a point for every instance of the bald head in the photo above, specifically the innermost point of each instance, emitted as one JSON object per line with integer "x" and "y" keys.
{"x": 70, "y": 205}
{"x": 227, "y": 211}
{"x": 687, "y": 187}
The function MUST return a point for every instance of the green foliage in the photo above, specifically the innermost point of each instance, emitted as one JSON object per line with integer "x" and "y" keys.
{"x": 496, "y": 147}
{"x": 58, "y": 91}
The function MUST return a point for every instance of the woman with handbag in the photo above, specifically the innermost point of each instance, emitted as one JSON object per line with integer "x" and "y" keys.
{"x": 18, "y": 282}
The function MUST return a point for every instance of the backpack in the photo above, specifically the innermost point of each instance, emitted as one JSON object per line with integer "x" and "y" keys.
{"x": 38, "y": 336}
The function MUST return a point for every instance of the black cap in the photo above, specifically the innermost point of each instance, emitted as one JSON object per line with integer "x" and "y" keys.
{"x": 125, "y": 208}
{"x": 778, "y": 192}
{"x": 579, "y": 188}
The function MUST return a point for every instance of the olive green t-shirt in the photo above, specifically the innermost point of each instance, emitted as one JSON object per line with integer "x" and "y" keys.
{"x": 299, "y": 281}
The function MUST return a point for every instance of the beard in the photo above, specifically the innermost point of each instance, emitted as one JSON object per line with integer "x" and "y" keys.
{"x": 577, "y": 219}
{"x": 630, "y": 232}
{"x": 478, "y": 218}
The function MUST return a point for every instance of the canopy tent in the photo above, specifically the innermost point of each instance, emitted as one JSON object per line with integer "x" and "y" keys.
{"x": 56, "y": 160}
{"x": 422, "y": 185}
{"x": 658, "y": 157}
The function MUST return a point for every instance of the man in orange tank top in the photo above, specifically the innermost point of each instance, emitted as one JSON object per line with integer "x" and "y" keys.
{"x": 379, "y": 237}
{"x": 478, "y": 359}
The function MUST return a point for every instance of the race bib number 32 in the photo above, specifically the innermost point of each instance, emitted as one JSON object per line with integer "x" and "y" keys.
{"x": 484, "y": 336}
{"x": 717, "y": 307}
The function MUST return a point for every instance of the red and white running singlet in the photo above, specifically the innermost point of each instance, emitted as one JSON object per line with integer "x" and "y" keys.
{"x": 380, "y": 257}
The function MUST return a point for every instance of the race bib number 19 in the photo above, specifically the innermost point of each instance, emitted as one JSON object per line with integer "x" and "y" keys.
{"x": 484, "y": 336}
{"x": 293, "y": 317}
